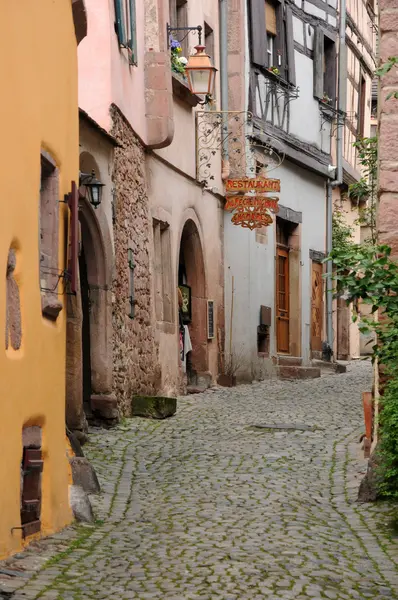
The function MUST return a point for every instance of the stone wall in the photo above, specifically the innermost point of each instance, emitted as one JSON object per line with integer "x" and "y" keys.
{"x": 135, "y": 353}
{"x": 388, "y": 129}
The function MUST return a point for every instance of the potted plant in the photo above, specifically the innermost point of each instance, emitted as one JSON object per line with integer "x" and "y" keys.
{"x": 274, "y": 70}
{"x": 325, "y": 98}
{"x": 178, "y": 62}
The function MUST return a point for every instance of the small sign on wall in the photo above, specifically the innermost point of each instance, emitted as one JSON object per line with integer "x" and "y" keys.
{"x": 210, "y": 319}
{"x": 186, "y": 308}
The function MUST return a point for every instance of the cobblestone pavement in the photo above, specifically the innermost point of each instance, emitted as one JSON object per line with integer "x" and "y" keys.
{"x": 206, "y": 506}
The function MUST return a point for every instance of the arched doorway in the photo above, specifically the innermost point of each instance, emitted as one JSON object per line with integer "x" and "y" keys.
{"x": 192, "y": 276}
{"x": 89, "y": 321}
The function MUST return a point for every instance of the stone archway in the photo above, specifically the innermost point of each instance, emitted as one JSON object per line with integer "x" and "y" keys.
{"x": 89, "y": 322}
{"x": 191, "y": 271}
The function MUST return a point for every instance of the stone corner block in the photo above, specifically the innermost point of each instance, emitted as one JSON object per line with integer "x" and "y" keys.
{"x": 105, "y": 406}
{"x": 153, "y": 407}
{"x": 84, "y": 475}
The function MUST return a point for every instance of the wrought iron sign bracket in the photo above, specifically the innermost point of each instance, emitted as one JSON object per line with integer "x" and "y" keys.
{"x": 330, "y": 115}
{"x": 232, "y": 134}
{"x": 187, "y": 30}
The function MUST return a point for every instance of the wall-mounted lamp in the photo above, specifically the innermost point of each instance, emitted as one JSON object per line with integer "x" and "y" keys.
{"x": 93, "y": 187}
{"x": 201, "y": 74}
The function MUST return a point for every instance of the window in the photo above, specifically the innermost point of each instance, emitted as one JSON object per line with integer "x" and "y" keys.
{"x": 179, "y": 18}
{"x": 48, "y": 247}
{"x": 324, "y": 67}
{"x": 271, "y": 37}
{"x": 163, "y": 279}
{"x": 125, "y": 26}
{"x": 271, "y": 31}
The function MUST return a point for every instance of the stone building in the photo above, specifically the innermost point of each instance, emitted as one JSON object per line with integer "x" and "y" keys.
{"x": 156, "y": 227}
{"x": 39, "y": 162}
{"x": 388, "y": 129}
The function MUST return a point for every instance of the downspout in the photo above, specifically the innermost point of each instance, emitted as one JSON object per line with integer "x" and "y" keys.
{"x": 341, "y": 105}
{"x": 224, "y": 83}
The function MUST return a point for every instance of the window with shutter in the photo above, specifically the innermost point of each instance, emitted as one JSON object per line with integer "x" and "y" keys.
{"x": 271, "y": 32}
{"x": 324, "y": 67}
{"x": 126, "y": 27}
{"x": 31, "y": 472}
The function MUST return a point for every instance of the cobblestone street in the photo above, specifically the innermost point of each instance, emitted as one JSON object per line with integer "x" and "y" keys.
{"x": 209, "y": 505}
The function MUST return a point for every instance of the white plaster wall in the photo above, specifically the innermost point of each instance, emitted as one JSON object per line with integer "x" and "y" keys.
{"x": 253, "y": 265}
{"x": 304, "y": 111}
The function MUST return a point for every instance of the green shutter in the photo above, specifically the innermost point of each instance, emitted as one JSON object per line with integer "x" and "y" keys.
{"x": 119, "y": 23}
{"x": 133, "y": 33}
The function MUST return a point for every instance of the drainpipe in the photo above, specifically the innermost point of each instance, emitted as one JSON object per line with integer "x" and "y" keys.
{"x": 342, "y": 77}
{"x": 224, "y": 82}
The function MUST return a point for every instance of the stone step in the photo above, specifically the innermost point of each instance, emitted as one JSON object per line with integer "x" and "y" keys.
{"x": 194, "y": 389}
{"x": 289, "y": 361}
{"x": 325, "y": 365}
{"x": 294, "y": 372}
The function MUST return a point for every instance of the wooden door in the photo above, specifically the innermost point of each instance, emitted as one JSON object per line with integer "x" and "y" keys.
{"x": 282, "y": 300}
{"x": 316, "y": 307}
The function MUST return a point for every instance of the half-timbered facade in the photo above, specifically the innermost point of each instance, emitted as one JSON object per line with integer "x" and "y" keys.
{"x": 289, "y": 62}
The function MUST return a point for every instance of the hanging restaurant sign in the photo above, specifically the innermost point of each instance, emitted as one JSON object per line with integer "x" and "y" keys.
{"x": 252, "y": 202}
{"x": 258, "y": 184}
{"x": 252, "y": 219}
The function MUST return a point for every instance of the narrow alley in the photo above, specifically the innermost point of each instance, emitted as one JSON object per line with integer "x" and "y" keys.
{"x": 217, "y": 503}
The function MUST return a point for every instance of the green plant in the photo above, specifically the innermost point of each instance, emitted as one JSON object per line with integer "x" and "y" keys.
{"x": 367, "y": 273}
{"x": 274, "y": 70}
{"x": 391, "y": 62}
{"x": 341, "y": 231}
{"x": 365, "y": 190}
{"x": 178, "y": 62}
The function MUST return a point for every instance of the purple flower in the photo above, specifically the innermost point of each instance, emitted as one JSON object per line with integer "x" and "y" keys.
{"x": 174, "y": 44}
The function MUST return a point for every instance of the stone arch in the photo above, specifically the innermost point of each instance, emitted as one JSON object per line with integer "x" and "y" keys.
{"x": 191, "y": 268}
{"x": 89, "y": 341}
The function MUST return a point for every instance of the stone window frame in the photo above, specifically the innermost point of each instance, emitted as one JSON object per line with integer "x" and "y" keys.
{"x": 49, "y": 275}
{"x": 163, "y": 275}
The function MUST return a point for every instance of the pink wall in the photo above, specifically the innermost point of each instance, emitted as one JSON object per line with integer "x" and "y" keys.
{"x": 105, "y": 76}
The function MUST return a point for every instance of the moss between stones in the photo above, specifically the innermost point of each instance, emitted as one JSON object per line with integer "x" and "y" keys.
{"x": 153, "y": 407}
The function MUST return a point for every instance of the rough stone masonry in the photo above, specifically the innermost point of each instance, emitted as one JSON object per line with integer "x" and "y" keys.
{"x": 136, "y": 366}
{"x": 208, "y": 506}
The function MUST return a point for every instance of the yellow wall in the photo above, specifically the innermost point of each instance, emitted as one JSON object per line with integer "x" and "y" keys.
{"x": 38, "y": 109}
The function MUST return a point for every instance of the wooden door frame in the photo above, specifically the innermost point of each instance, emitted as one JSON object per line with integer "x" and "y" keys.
{"x": 286, "y": 251}
{"x": 316, "y": 262}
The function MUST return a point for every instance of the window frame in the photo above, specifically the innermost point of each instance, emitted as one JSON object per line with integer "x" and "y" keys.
{"x": 126, "y": 28}
{"x": 283, "y": 41}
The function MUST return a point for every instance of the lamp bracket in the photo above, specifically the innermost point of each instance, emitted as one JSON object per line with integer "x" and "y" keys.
{"x": 187, "y": 30}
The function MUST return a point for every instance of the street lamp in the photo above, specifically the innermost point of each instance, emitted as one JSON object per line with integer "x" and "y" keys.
{"x": 200, "y": 73}
{"x": 93, "y": 187}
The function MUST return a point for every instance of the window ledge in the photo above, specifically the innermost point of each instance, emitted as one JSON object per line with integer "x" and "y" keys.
{"x": 182, "y": 91}
{"x": 277, "y": 79}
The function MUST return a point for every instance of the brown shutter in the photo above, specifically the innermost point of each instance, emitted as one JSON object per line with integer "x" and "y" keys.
{"x": 291, "y": 68}
{"x": 318, "y": 63}
{"x": 32, "y": 466}
{"x": 270, "y": 17}
{"x": 258, "y": 37}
